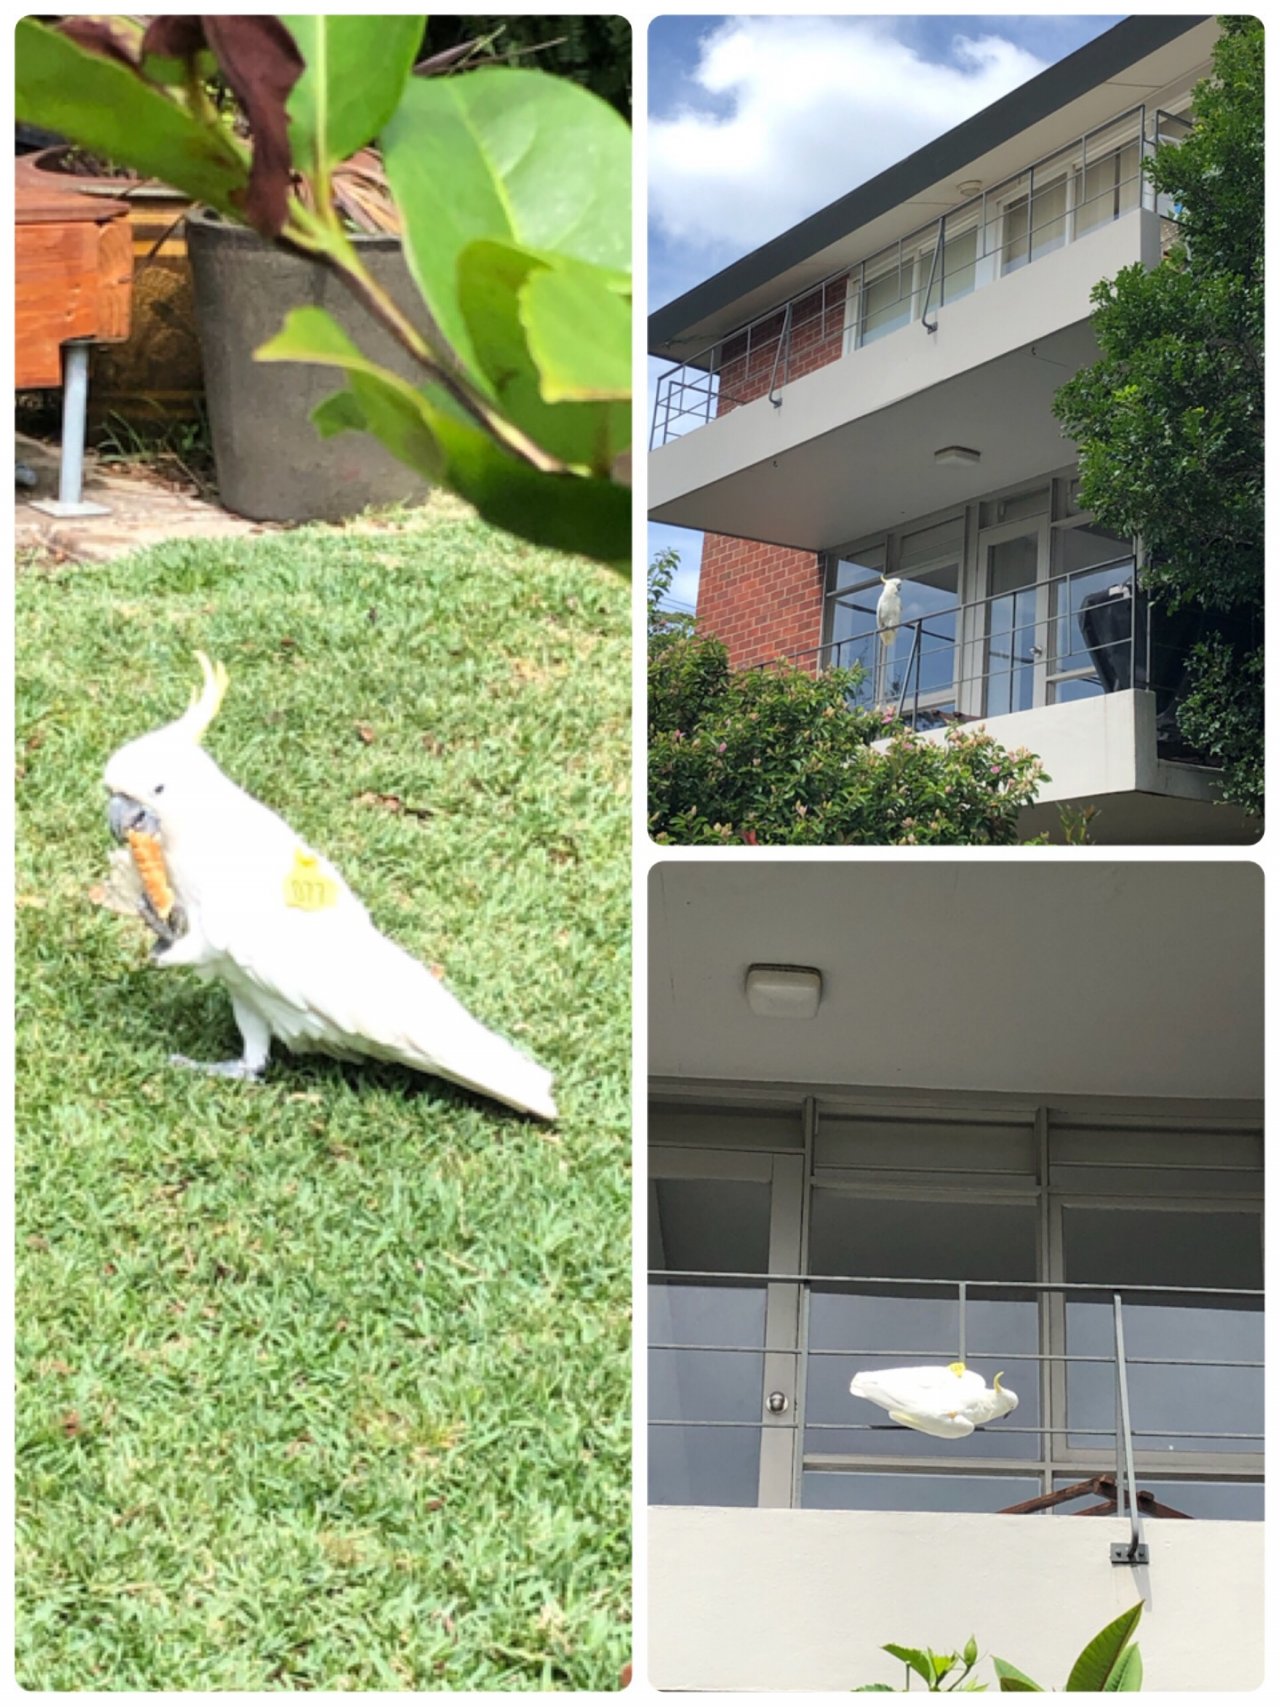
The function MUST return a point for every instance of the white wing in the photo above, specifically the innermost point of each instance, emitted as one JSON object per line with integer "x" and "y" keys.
{"x": 328, "y": 980}
{"x": 349, "y": 991}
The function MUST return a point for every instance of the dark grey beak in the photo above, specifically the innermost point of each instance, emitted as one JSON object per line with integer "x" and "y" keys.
{"x": 124, "y": 815}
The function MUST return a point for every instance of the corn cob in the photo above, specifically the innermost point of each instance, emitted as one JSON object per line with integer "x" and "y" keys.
{"x": 148, "y": 856}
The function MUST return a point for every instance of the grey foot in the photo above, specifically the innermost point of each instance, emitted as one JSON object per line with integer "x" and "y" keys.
{"x": 220, "y": 1069}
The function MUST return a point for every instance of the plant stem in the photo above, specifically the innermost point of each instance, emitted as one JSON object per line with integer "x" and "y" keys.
{"x": 325, "y": 239}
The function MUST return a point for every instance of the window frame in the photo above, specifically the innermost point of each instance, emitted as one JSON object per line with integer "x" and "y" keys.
{"x": 1071, "y": 1138}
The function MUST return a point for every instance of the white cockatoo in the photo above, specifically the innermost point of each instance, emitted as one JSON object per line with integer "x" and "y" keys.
{"x": 245, "y": 901}
{"x": 889, "y": 610}
{"x": 946, "y": 1400}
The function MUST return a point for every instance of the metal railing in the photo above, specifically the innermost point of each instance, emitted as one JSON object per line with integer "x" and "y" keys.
{"x": 1081, "y": 632}
{"x": 1094, "y": 180}
{"x": 774, "y": 1415}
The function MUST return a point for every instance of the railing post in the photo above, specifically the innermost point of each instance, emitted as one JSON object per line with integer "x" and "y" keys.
{"x": 1135, "y": 1552}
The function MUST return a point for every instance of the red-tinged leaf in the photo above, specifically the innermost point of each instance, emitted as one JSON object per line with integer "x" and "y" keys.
{"x": 260, "y": 60}
{"x": 109, "y": 37}
{"x": 174, "y": 36}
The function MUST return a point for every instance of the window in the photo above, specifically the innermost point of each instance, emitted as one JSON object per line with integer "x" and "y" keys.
{"x": 926, "y": 1235}
{"x": 1092, "y": 629}
{"x": 917, "y": 668}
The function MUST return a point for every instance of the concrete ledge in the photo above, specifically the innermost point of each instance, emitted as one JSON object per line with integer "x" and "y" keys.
{"x": 794, "y": 1600}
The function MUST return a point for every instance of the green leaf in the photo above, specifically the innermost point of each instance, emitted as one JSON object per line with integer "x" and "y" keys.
{"x": 494, "y": 279}
{"x": 565, "y": 511}
{"x": 1127, "y": 1671}
{"x": 579, "y": 336}
{"x": 514, "y": 155}
{"x": 339, "y": 413}
{"x": 1100, "y": 1657}
{"x": 917, "y": 1658}
{"x": 874, "y": 1689}
{"x": 101, "y": 105}
{"x": 1012, "y": 1680}
{"x": 357, "y": 67}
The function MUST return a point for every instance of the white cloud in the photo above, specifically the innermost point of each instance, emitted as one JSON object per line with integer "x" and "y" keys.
{"x": 801, "y": 111}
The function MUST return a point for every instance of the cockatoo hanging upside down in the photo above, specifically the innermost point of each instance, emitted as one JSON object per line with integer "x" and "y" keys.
{"x": 948, "y": 1401}
{"x": 231, "y": 891}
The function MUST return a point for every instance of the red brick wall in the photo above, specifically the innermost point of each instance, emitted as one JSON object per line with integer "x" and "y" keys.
{"x": 764, "y": 601}
{"x": 747, "y": 363}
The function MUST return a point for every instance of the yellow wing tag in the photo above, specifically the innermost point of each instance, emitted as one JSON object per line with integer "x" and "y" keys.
{"x": 308, "y": 886}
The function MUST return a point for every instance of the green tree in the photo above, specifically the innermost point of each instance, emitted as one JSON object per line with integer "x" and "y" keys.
{"x": 779, "y": 756}
{"x": 1170, "y": 420}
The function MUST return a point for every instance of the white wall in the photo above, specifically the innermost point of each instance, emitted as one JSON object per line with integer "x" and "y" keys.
{"x": 791, "y": 1600}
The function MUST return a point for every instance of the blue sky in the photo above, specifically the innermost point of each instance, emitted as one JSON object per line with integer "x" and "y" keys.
{"x": 755, "y": 122}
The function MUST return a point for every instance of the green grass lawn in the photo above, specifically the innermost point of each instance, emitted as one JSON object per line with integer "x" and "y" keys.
{"x": 325, "y": 1382}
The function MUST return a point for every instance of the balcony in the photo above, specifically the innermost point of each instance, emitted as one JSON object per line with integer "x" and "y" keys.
{"x": 1107, "y": 1427}
{"x": 819, "y": 420}
{"x": 1079, "y": 667}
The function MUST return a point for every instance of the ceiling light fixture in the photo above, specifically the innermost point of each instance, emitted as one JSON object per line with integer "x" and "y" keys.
{"x": 969, "y": 186}
{"x": 784, "y": 992}
{"x": 957, "y": 453}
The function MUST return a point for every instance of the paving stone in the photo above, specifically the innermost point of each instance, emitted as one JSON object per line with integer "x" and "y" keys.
{"x": 144, "y": 509}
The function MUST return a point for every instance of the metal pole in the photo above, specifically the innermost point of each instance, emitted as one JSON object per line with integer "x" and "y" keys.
{"x": 1136, "y": 1552}
{"x": 75, "y": 398}
{"x": 963, "y": 1336}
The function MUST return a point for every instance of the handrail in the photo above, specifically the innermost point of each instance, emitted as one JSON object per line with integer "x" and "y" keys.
{"x": 1133, "y": 1552}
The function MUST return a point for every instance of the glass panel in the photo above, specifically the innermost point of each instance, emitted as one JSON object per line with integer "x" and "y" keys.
{"x": 722, "y": 1225}
{"x": 1093, "y": 613}
{"x": 838, "y": 1490}
{"x": 1047, "y": 220}
{"x": 1238, "y": 1501}
{"x": 704, "y": 1466}
{"x": 1015, "y": 508}
{"x": 1048, "y": 216}
{"x": 959, "y": 264}
{"x": 1118, "y": 1247}
{"x": 860, "y": 570}
{"x": 1012, "y": 567}
{"x": 926, "y": 666}
{"x": 1108, "y": 187}
{"x": 1015, "y": 235}
{"x": 882, "y": 1326}
{"x": 886, "y": 300}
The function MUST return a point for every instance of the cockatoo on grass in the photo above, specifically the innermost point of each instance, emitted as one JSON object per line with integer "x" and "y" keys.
{"x": 889, "y": 610}
{"x": 947, "y": 1401}
{"x": 231, "y": 891}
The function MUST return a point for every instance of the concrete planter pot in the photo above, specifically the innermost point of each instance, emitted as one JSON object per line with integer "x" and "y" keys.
{"x": 272, "y": 464}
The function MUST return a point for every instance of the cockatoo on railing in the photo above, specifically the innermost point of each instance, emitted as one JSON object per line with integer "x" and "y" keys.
{"x": 948, "y": 1401}
{"x": 231, "y": 891}
{"x": 889, "y": 610}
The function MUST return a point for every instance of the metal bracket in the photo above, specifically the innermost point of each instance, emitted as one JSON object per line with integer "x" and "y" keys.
{"x": 1130, "y": 1553}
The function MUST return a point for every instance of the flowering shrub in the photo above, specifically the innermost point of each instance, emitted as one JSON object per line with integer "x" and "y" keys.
{"x": 779, "y": 756}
